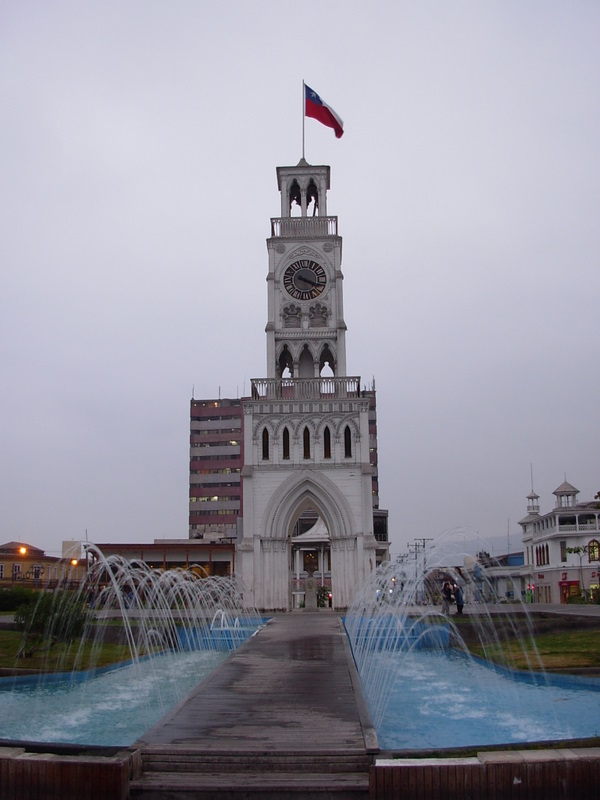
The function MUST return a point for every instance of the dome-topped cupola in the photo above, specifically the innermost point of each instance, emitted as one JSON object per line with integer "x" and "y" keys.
{"x": 566, "y": 495}
{"x": 533, "y": 503}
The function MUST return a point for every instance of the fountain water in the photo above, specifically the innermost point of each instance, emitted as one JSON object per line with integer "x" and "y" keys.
{"x": 177, "y": 626}
{"x": 423, "y": 687}
{"x": 170, "y": 607}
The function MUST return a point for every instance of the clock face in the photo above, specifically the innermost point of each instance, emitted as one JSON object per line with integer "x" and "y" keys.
{"x": 304, "y": 279}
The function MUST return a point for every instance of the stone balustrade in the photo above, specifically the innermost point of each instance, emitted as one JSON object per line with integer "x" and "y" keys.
{"x": 303, "y": 227}
{"x": 305, "y": 388}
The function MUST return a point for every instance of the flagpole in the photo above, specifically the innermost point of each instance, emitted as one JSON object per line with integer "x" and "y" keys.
{"x": 303, "y": 115}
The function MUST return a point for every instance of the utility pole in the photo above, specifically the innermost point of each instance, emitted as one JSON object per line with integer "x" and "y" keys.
{"x": 413, "y": 550}
{"x": 421, "y": 544}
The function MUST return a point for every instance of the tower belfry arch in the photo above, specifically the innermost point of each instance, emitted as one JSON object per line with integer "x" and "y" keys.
{"x": 310, "y": 487}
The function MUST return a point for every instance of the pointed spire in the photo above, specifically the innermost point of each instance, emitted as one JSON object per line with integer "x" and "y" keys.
{"x": 533, "y": 505}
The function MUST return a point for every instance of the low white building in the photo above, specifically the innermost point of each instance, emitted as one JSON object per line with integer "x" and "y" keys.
{"x": 498, "y": 579}
{"x": 562, "y": 547}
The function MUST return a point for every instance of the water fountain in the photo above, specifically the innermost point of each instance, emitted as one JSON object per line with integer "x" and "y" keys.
{"x": 424, "y": 688}
{"x": 415, "y": 664}
{"x": 400, "y": 641}
{"x": 177, "y": 626}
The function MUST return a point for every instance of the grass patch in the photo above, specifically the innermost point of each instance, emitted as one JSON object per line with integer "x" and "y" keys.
{"x": 564, "y": 652}
{"x": 61, "y": 657}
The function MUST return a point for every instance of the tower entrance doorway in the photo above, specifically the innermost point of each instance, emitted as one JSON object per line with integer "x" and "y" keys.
{"x": 311, "y": 558}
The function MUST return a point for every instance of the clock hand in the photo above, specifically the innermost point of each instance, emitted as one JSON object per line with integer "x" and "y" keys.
{"x": 312, "y": 280}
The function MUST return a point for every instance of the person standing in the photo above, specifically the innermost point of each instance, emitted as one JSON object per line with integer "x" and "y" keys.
{"x": 446, "y": 597}
{"x": 459, "y": 598}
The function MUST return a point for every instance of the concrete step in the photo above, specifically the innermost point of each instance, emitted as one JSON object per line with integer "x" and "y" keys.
{"x": 183, "y": 759}
{"x": 268, "y": 785}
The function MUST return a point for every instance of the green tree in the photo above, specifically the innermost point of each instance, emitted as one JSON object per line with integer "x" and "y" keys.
{"x": 50, "y": 618}
{"x": 322, "y": 597}
{"x": 15, "y": 596}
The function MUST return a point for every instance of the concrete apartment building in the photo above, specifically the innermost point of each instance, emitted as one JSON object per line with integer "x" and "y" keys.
{"x": 216, "y": 461}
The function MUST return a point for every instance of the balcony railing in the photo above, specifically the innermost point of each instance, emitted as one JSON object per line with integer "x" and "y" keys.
{"x": 585, "y": 526}
{"x": 305, "y": 388}
{"x": 303, "y": 227}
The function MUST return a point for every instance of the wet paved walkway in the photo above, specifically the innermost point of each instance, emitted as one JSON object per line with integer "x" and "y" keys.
{"x": 292, "y": 687}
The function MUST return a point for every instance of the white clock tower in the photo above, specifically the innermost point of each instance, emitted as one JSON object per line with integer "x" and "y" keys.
{"x": 310, "y": 446}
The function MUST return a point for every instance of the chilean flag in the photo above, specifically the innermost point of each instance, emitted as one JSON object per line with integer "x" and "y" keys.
{"x": 314, "y": 107}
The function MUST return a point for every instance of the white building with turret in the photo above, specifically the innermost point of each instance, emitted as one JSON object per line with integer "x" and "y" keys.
{"x": 562, "y": 547}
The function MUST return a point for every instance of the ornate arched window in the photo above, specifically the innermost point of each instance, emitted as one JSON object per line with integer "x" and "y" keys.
{"x": 306, "y": 367}
{"x": 326, "y": 358}
{"x": 286, "y": 363}
{"x": 312, "y": 197}
{"x": 286, "y": 444}
{"x": 306, "y": 439}
{"x": 347, "y": 442}
{"x": 593, "y": 550}
{"x": 327, "y": 443}
{"x": 265, "y": 444}
{"x": 295, "y": 197}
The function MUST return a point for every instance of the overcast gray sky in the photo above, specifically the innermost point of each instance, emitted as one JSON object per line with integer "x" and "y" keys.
{"x": 139, "y": 142}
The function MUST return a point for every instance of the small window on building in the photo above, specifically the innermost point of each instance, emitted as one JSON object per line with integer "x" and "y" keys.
{"x": 347, "y": 442}
{"x": 594, "y": 550}
{"x": 327, "y": 443}
{"x": 265, "y": 444}
{"x": 306, "y": 438}
{"x": 286, "y": 444}
{"x": 563, "y": 550}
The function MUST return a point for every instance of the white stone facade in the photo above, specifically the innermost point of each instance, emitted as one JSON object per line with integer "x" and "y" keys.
{"x": 339, "y": 489}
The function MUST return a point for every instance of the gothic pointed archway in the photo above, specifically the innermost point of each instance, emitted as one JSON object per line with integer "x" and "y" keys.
{"x": 300, "y": 491}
